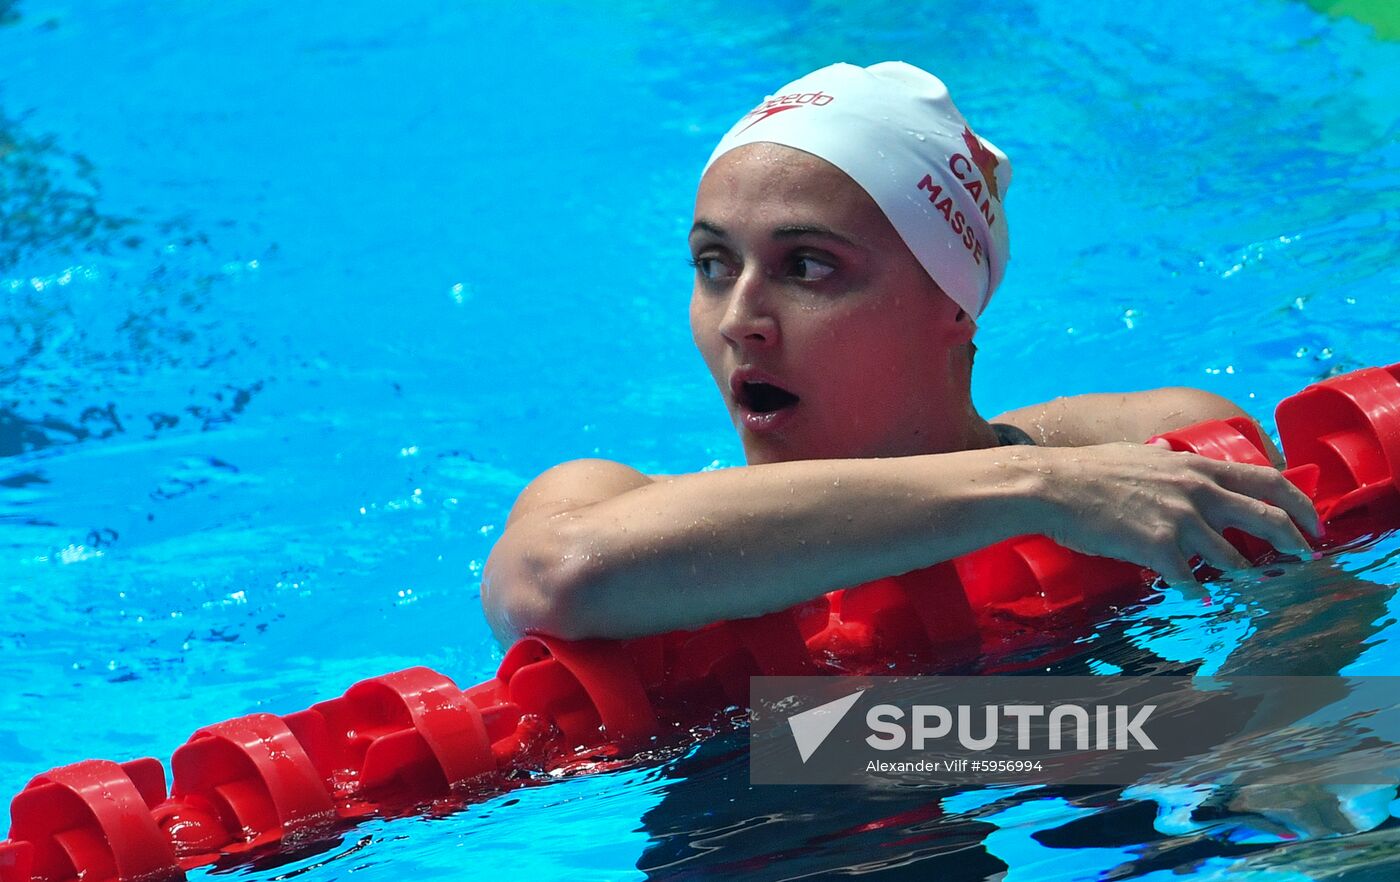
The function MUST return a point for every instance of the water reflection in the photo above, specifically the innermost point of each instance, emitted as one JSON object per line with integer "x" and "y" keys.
{"x": 1307, "y": 619}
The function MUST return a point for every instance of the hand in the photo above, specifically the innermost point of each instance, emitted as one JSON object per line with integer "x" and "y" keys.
{"x": 1158, "y": 508}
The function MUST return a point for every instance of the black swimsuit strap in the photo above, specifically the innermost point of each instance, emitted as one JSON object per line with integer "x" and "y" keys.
{"x": 1009, "y": 435}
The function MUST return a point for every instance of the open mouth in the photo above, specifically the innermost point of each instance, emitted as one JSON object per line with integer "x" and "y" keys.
{"x": 765, "y": 397}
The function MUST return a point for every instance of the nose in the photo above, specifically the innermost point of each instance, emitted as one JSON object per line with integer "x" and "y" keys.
{"x": 748, "y": 317}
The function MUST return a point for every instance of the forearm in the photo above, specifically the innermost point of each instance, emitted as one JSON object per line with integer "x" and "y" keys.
{"x": 741, "y": 542}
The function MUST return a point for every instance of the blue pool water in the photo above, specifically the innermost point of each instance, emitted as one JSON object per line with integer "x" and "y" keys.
{"x": 297, "y": 296}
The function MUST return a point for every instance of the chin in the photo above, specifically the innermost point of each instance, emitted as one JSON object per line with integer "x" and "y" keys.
{"x": 763, "y": 452}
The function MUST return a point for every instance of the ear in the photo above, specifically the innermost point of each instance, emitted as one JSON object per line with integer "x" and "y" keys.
{"x": 963, "y": 327}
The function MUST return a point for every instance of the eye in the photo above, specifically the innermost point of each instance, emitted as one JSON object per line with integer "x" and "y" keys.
{"x": 810, "y": 269}
{"x": 710, "y": 267}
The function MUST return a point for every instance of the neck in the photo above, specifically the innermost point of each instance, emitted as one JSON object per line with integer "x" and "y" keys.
{"x": 971, "y": 432}
{"x": 968, "y": 431}
{"x": 980, "y": 435}
{"x": 975, "y": 433}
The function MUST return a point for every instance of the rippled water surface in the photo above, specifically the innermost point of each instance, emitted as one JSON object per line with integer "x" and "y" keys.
{"x": 296, "y": 297}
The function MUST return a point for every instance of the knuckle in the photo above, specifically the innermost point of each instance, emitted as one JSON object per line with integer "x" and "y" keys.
{"x": 1165, "y": 534}
{"x": 1278, "y": 517}
{"x": 1195, "y": 485}
{"x": 1183, "y": 510}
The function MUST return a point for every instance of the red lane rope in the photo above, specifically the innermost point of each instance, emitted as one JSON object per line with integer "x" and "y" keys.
{"x": 413, "y": 735}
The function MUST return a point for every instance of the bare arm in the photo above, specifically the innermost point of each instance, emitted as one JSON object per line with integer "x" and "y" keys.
{"x": 596, "y": 549}
{"x": 1082, "y": 420}
{"x": 649, "y": 555}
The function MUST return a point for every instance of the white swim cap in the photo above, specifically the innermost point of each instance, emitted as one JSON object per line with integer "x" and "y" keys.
{"x": 893, "y": 129}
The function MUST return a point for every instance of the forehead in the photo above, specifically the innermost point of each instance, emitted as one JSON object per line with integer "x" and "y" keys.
{"x": 770, "y": 184}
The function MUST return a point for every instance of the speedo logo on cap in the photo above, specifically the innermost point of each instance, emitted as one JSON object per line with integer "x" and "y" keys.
{"x": 780, "y": 103}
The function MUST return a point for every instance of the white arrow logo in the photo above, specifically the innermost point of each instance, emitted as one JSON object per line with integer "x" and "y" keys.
{"x": 810, "y": 728}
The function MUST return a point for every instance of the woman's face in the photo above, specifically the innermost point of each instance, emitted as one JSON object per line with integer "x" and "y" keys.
{"x": 823, "y": 332}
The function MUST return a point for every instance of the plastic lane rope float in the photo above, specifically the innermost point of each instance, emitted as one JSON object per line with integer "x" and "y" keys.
{"x": 396, "y": 741}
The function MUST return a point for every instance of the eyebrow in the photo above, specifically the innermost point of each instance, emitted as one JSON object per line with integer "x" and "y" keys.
{"x": 795, "y": 231}
{"x": 789, "y": 231}
{"x": 710, "y": 228}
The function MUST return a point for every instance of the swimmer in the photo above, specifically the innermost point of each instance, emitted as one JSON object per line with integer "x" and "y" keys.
{"x": 848, "y": 233}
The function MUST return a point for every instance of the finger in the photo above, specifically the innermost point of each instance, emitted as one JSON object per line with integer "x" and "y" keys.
{"x": 1173, "y": 567}
{"x": 1265, "y": 521}
{"x": 1262, "y": 482}
{"x": 1216, "y": 550}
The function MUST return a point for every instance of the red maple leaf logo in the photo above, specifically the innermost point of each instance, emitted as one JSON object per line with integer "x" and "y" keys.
{"x": 984, "y": 159}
